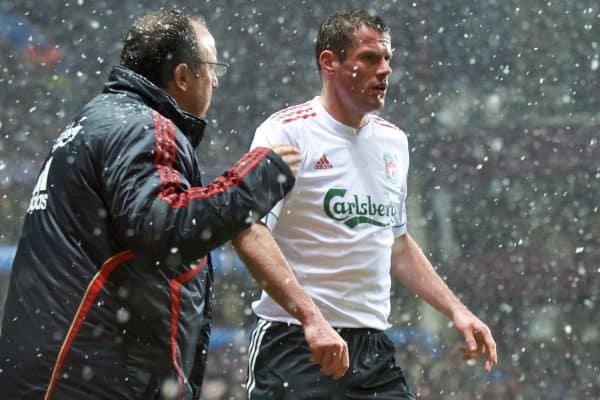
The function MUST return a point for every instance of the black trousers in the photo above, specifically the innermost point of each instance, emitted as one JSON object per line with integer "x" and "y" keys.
{"x": 280, "y": 368}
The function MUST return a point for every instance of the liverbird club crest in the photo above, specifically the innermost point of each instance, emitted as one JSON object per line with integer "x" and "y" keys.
{"x": 391, "y": 168}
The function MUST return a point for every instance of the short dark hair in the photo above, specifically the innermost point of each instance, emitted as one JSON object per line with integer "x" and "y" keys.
{"x": 336, "y": 33}
{"x": 156, "y": 43}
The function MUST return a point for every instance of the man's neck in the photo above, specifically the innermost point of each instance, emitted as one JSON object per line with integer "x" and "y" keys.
{"x": 341, "y": 114}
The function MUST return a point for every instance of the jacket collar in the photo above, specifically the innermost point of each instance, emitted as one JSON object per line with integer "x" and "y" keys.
{"x": 123, "y": 80}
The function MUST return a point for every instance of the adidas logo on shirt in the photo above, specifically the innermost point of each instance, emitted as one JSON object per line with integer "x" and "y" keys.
{"x": 323, "y": 163}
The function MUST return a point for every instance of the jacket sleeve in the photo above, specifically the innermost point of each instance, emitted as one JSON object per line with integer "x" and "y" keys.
{"x": 155, "y": 210}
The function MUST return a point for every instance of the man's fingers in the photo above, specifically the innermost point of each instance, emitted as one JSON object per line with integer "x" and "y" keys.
{"x": 487, "y": 341}
{"x": 329, "y": 363}
{"x": 344, "y": 363}
{"x": 488, "y": 365}
{"x": 327, "y": 348}
{"x": 477, "y": 336}
{"x": 468, "y": 354}
{"x": 470, "y": 340}
{"x": 484, "y": 343}
{"x": 315, "y": 356}
{"x": 283, "y": 149}
{"x": 333, "y": 359}
{"x": 287, "y": 151}
{"x": 290, "y": 155}
{"x": 293, "y": 161}
{"x": 335, "y": 363}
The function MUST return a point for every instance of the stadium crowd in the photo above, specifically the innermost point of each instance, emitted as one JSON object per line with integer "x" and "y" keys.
{"x": 504, "y": 172}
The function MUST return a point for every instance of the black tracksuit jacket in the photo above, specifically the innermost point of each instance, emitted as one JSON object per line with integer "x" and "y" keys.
{"x": 110, "y": 289}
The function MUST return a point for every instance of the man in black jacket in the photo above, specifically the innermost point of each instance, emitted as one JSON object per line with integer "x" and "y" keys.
{"x": 110, "y": 289}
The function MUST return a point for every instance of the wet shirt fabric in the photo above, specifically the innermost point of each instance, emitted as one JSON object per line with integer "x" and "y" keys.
{"x": 336, "y": 227}
{"x": 110, "y": 289}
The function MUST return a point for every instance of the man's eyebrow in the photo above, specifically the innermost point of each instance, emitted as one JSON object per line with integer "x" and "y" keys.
{"x": 376, "y": 52}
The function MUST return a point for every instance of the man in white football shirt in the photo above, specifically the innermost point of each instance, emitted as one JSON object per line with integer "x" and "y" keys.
{"x": 342, "y": 229}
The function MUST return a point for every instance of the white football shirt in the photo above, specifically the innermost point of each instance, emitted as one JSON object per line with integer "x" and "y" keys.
{"x": 337, "y": 225}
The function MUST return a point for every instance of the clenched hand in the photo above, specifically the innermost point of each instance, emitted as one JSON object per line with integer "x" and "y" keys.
{"x": 327, "y": 347}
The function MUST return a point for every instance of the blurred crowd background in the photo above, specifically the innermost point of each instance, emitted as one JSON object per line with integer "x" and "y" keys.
{"x": 501, "y": 103}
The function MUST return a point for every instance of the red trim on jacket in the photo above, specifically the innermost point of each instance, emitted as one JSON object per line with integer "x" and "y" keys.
{"x": 92, "y": 291}
{"x": 164, "y": 159}
{"x": 166, "y": 151}
{"x": 175, "y": 285}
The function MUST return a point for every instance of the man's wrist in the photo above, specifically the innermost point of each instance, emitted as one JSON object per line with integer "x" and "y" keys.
{"x": 457, "y": 308}
{"x": 308, "y": 313}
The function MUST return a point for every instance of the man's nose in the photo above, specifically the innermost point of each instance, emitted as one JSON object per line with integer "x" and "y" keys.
{"x": 384, "y": 67}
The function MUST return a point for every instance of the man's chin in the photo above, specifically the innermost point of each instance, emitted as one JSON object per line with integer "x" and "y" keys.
{"x": 378, "y": 103}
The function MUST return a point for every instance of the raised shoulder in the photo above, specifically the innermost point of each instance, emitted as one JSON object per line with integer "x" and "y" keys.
{"x": 294, "y": 113}
{"x": 380, "y": 121}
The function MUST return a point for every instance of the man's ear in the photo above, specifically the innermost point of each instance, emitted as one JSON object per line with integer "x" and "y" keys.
{"x": 329, "y": 61}
{"x": 181, "y": 76}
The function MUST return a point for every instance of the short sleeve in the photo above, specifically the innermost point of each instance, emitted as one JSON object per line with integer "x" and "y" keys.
{"x": 399, "y": 227}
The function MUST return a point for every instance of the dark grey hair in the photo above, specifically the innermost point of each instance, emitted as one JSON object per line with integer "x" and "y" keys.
{"x": 156, "y": 43}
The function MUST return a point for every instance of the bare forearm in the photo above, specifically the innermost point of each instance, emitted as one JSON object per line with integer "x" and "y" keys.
{"x": 263, "y": 258}
{"x": 414, "y": 270}
{"x": 267, "y": 264}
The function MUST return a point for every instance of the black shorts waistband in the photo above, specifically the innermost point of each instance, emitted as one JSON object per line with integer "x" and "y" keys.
{"x": 341, "y": 331}
{"x": 358, "y": 331}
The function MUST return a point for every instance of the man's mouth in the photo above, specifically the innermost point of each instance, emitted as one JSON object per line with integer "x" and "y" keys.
{"x": 380, "y": 89}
